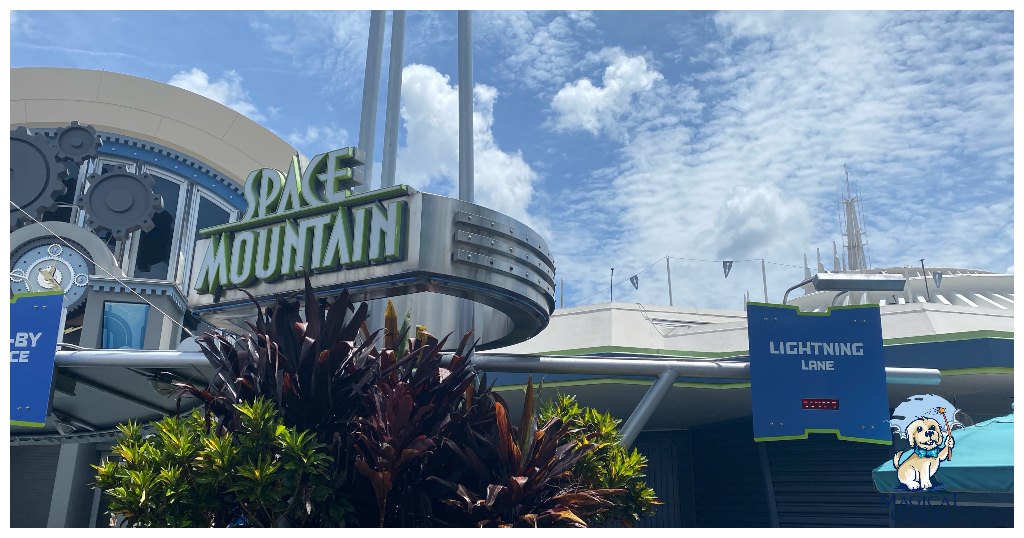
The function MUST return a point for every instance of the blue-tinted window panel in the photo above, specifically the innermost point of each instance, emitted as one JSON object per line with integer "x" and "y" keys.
{"x": 124, "y": 325}
{"x": 210, "y": 214}
{"x": 153, "y": 257}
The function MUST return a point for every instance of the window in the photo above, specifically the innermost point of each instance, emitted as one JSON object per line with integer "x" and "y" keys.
{"x": 166, "y": 251}
{"x": 208, "y": 212}
{"x": 153, "y": 257}
{"x": 124, "y": 325}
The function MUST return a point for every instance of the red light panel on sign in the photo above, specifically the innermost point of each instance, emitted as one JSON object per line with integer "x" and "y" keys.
{"x": 820, "y": 403}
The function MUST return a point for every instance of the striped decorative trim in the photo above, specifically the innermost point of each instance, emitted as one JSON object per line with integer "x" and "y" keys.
{"x": 141, "y": 287}
{"x": 641, "y": 351}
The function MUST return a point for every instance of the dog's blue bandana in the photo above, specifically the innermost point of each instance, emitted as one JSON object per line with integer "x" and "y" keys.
{"x": 923, "y": 453}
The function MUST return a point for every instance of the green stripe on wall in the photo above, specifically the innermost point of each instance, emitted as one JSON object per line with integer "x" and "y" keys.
{"x": 979, "y": 371}
{"x": 698, "y": 385}
{"x": 621, "y": 381}
{"x": 812, "y": 430}
{"x": 27, "y": 424}
{"x": 949, "y": 337}
{"x": 645, "y": 351}
{"x": 968, "y": 335}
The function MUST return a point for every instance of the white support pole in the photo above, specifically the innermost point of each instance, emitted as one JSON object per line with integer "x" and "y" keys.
{"x": 71, "y": 497}
{"x": 764, "y": 280}
{"x": 631, "y": 429}
{"x": 466, "y": 107}
{"x": 371, "y": 90}
{"x": 668, "y": 269}
{"x": 467, "y": 310}
{"x": 391, "y": 115}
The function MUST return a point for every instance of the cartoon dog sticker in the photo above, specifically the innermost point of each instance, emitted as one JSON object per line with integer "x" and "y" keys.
{"x": 924, "y": 422}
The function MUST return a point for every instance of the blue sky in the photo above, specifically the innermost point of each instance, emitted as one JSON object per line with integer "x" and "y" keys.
{"x": 625, "y": 137}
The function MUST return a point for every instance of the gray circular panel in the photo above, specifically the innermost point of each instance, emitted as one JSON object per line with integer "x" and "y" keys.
{"x": 120, "y": 202}
{"x": 77, "y": 142}
{"x": 36, "y": 176}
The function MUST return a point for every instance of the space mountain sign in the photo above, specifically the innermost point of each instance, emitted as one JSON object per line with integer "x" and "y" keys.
{"x": 305, "y": 221}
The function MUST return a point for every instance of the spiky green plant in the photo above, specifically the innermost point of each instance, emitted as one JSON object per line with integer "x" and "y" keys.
{"x": 187, "y": 475}
{"x": 609, "y": 464}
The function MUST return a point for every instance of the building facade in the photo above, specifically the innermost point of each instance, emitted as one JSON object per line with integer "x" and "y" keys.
{"x": 131, "y": 287}
{"x": 196, "y": 154}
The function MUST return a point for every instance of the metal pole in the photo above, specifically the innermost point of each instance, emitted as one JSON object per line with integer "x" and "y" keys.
{"x": 466, "y": 106}
{"x": 387, "y": 170}
{"x": 371, "y": 89}
{"x": 786, "y": 295}
{"x": 924, "y": 276}
{"x": 764, "y": 281}
{"x": 668, "y": 269}
{"x": 466, "y": 312}
{"x": 838, "y": 295}
{"x": 582, "y": 364}
{"x": 611, "y": 287}
{"x": 646, "y": 407}
{"x": 561, "y": 289}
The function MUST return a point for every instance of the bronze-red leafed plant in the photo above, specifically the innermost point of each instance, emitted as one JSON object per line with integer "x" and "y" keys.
{"x": 414, "y": 436}
{"x": 524, "y": 483}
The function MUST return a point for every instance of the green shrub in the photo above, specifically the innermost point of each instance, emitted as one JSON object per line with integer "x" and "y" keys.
{"x": 187, "y": 475}
{"x": 609, "y": 465}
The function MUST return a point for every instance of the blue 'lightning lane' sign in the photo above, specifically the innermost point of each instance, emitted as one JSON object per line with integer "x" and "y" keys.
{"x": 35, "y": 321}
{"x": 817, "y": 372}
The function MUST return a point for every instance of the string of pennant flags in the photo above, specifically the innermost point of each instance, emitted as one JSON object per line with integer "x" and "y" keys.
{"x": 727, "y": 266}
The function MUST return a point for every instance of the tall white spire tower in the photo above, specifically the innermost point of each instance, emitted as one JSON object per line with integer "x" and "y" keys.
{"x": 854, "y": 234}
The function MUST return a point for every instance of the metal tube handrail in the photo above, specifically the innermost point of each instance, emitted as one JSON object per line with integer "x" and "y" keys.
{"x": 582, "y": 364}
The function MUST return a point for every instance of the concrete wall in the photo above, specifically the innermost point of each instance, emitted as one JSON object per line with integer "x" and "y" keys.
{"x": 167, "y": 115}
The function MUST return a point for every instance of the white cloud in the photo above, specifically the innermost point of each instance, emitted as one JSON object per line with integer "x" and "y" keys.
{"x": 316, "y": 139}
{"x": 749, "y": 221}
{"x": 429, "y": 159}
{"x": 919, "y": 105}
{"x": 539, "y": 48}
{"x": 581, "y": 105}
{"x": 227, "y": 91}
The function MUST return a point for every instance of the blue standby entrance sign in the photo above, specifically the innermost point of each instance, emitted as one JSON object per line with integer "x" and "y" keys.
{"x": 35, "y": 320}
{"x": 814, "y": 372}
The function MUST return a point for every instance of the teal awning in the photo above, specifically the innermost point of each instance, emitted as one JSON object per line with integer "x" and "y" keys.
{"x": 982, "y": 461}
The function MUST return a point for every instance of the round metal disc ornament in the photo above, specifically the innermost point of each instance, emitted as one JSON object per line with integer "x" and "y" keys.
{"x": 77, "y": 143}
{"x": 37, "y": 176}
{"x": 120, "y": 202}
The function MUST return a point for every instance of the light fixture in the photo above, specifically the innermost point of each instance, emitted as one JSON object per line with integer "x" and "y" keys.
{"x": 845, "y": 282}
{"x": 64, "y": 428}
{"x": 163, "y": 383}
